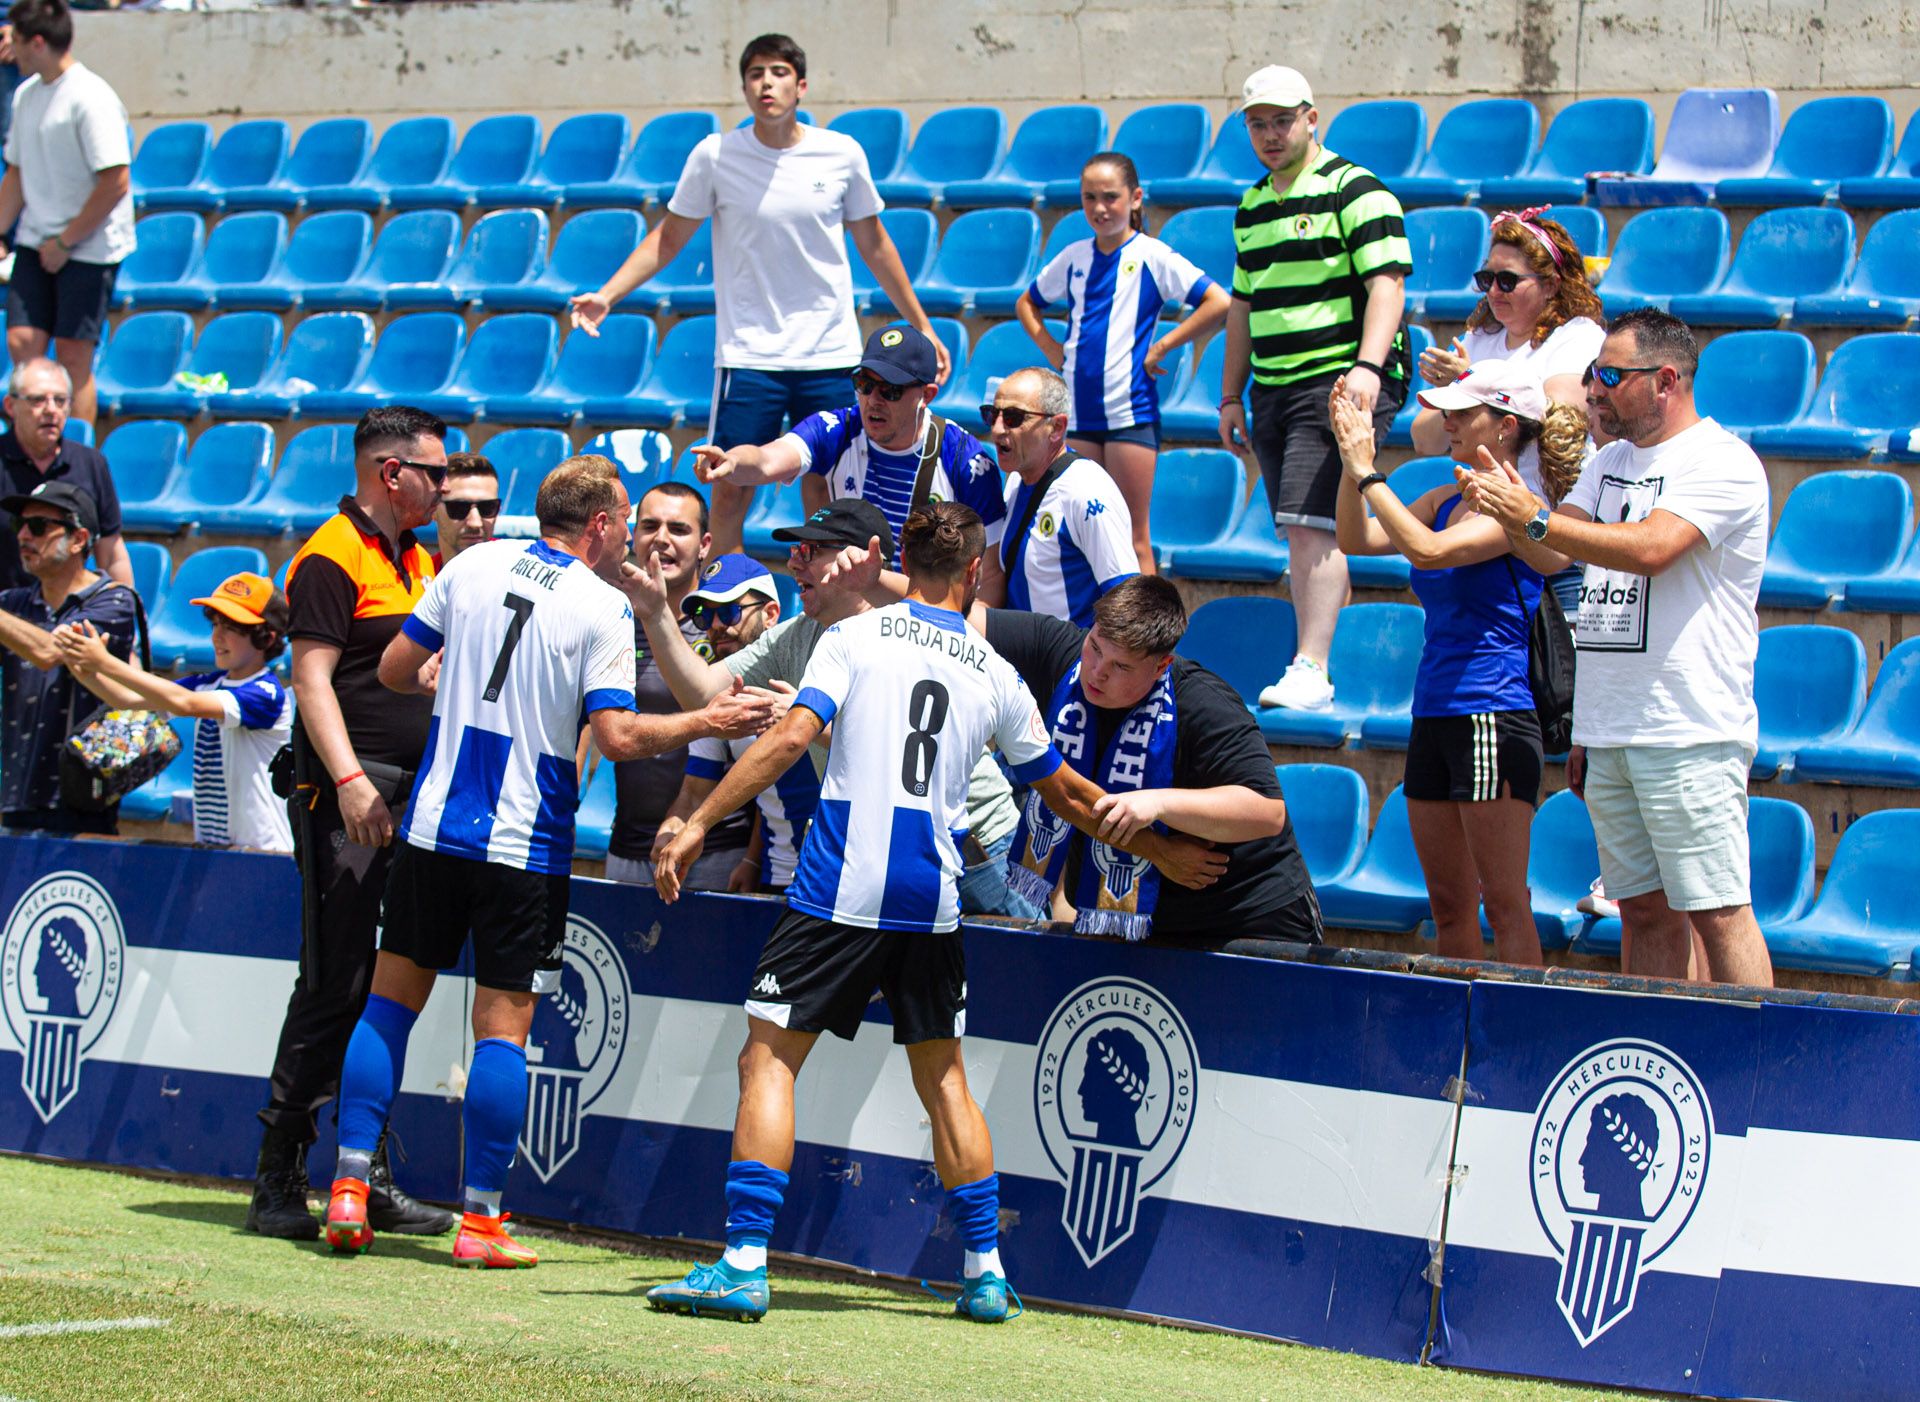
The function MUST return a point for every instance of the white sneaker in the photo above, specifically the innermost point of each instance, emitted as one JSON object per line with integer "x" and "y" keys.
{"x": 1302, "y": 687}
{"x": 1595, "y": 902}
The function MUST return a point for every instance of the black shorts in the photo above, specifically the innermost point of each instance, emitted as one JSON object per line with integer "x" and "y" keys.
{"x": 818, "y": 976}
{"x": 1475, "y": 759}
{"x": 518, "y": 919}
{"x": 70, "y": 305}
{"x": 1293, "y": 440}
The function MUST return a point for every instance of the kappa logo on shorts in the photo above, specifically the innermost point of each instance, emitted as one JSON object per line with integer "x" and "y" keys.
{"x": 62, "y": 959}
{"x": 768, "y": 984}
{"x": 1114, "y": 1094}
{"x": 1621, "y": 1147}
{"x": 579, "y": 1031}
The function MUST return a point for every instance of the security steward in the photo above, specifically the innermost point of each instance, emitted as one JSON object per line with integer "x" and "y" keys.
{"x": 354, "y": 753}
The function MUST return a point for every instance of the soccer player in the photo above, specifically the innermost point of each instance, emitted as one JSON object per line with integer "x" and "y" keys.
{"x": 534, "y": 636}
{"x": 913, "y": 697}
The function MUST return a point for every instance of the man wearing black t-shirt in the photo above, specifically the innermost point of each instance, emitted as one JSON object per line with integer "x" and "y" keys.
{"x": 1172, "y": 743}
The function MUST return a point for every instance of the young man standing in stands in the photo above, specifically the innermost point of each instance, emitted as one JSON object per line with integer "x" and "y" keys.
{"x": 39, "y": 397}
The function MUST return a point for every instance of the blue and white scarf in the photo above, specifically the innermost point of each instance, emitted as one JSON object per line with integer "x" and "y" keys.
{"x": 1116, "y": 891}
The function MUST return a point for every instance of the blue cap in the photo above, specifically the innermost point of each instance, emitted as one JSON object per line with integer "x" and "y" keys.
{"x": 725, "y": 578}
{"x": 901, "y": 355}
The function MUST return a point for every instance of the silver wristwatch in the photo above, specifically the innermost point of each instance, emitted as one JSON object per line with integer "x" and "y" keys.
{"x": 1537, "y": 528}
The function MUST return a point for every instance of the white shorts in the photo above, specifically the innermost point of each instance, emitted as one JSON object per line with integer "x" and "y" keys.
{"x": 1674, "y": 820}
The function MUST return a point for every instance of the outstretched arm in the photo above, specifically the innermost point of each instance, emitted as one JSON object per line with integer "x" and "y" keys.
{"x": 1182, "y": 860}
{"x": 770, "y": 757}
{"x": 124, "y": 684}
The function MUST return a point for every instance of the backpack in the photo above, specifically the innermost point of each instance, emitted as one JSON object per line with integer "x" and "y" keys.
{"x": 1550, "y": 666}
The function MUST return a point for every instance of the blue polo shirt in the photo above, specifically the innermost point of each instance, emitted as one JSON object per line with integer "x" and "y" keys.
{"x": 38, "y": 709}
{"x": 76, "y": 464}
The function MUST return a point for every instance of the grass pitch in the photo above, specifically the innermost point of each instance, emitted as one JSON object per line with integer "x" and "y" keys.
{"x": 244, "y": 1318}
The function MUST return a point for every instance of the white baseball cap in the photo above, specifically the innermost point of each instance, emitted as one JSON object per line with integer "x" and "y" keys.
{"x": 1274, "y": 86}
{"x": 1511, "y": 386}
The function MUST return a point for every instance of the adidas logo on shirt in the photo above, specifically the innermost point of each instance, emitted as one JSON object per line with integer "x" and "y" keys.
{"x": 768, "y": 984}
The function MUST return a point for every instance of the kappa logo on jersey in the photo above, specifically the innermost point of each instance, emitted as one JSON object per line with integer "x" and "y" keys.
{"x": 579, "y": 1031}
{"x": 62, "y": 959}
{"x": 1114, "y": 1092}
{"x": 768, "y": 984}
{"x": 1621, "y": 1148}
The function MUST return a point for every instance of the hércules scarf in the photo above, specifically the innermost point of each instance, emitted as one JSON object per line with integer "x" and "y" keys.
{"x": 1116, "y": 891}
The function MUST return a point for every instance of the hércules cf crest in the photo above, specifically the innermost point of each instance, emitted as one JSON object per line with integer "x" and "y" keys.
{"x": 579, "y": 1031}
{"x": 62, "y": 959}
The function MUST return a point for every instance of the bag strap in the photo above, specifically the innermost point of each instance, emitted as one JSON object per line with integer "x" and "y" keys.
{"x": 929, "y": 460}
{"x": 140, "y": 640}
{"x": 1016, "y": 539}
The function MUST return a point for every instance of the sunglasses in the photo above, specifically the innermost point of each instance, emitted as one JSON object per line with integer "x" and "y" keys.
{"x": 45, "y": 525}
{"x": 489, "y": 507}
{"x": 1505, "y": 279}
{"x": 1612, "y": 375}
{"x": 726, "y": 615}
{"x": 436, "y": 471}
{"x": 867, "y": 384}
{"x": 1013, "y": 418}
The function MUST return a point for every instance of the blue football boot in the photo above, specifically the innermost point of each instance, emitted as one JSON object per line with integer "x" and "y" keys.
{"x": 985, "y": 1299}
{"x": 715, "y": 1289}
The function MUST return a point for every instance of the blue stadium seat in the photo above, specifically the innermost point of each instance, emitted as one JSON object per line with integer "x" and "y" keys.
{"x": 1899, "y": 188}
{"x": 583, "y": 150}
{"x": 1166, "y": 142}
{"x": 1410, "y": 481}
{"x": 503, "y": 249}
{"x": 147, "y": 454}
{"x": 593, "y": 819}
{"x": 413, "y": 251}
{"x": 1896, "y": 591}
{"x": 523, "y": 457}
{"x": 1223, "y": 177}
{"x": 1475, "y": 141}
{"x": 509, "y": 355}
{"x": 227, "y": 467}
{"x": 1835, "y": 527}
{"x": 1826, "y": 140}
{"x": 314, "y": 472}
{"x": 587, "y": 251}
{"x": 497, "y": 150}
{"x": 1400, "y": 434}
{"x": 772, "y": 509}
{"x": 1865, "y": 920}
{"x": 1238, "y": 637}
{"x": 986, "y": 260}
{"x": 1586, "y": 225}
{"x": 1251, "y": 550}
{"x": 1714, "y": 134}
{"x": 168, "y": 168}
{"x": 326, "y": 249}
{"x": 1387, "y": 891}
{"x": 151, "y": 565}
{"x": 1375, "y": 650}
{"x": 651, "y": 168}
{"x": 1883, "y": 748}
{"x": 331, "y": 152}
{"x": 594, "y": 379}
{"x": 1784, "y": 254}
{"x": 1751, "y": 379}
{"x": 685, "y": 284}
{"x": 414, "y": 356}
{"x": 1809, "y": 683}
{"x": 1883, "y": 290}
{"x": 951, "y": 332}
{"x": 1388, "y": 136}
{"x": 958, "y": 143}
{"x": 143, "y": 355}
{"x": 180, "y": 634}
{"x": 1595, "y": 133}
{"x": 1562, "y": 863}
{"x": 78, "y": 431}
{"x": 1327, "y": 804}
{"x": 915, "y": 235}
{"x": 643, "y": 455}
{"x": 1051, "y": 144}
{"x": 247, "y": 156}
{"x": 242, "y": 248}
{"x": 1663, "y": 254}
{"x": 679, "y": 388}
{"x": 413, "y": 153}
{"x": 1197, "y": 492}
{"x": 240, "y": 345}
{"x": 166, "y": 250}
{"x": 1447, "y": 246}
{"x": 323, "y": 353}
{"x": 882, "y": 134}
{"x": 1867, "y": 396}
{"x": 1193, "y": 414}
{"x": 789, "y": 592}
{"x": 1001, "y": 350}
{"x": 152, "y": 802}
{"x": 1204, "y": 237}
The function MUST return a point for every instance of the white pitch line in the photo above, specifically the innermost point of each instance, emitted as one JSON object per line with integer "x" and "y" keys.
{"x": 78, "y": 1326}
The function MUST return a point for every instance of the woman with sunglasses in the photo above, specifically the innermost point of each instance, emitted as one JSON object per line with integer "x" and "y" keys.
{"x": 1474, "y": 759}
{"x": 1115, "y": 285}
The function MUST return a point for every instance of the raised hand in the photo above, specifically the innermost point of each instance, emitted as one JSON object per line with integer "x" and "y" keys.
{"x": 855, "y": 568}
{"x": 645, "y": 586}
{"x": 1352, "y": 431}
{"x": 1441, "y": 366}
{"x": 711, "y": 464}
{"x": 587, "y": 311}
{"x": 742, "y": 710}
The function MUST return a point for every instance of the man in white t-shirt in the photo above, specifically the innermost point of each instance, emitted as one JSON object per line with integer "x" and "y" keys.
{"x": 1670, "y": 520}
{"x": 780, "y": 195}
{"x": 68, "y": 184}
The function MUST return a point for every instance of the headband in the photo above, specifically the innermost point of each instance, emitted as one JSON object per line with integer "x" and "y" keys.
{"x": 1525, "y": 220}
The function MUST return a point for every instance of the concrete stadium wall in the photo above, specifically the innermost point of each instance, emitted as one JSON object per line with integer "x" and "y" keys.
{"x": 642, "y": 56}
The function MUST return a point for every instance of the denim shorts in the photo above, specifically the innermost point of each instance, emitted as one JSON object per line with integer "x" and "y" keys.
{"x": 751, "y": 407}
{"x": 1672, "y": 819}
{"x": 1146, "y": 435}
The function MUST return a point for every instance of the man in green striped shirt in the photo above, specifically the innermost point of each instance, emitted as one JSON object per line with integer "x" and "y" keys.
{"x": 1319, "y": 286}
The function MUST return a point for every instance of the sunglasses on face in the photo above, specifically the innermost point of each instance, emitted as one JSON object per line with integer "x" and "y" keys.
{"x": 1612, "y": 375}
{"x": 1503, "y": 278}
{"x": 436, "y": 471}
{"x": 864, "y": 384}
{"x": 1013, "y": 418}
{"x": 45, "y": 525}
{"x": 488, "y": 507}
{"x": 726, "y": 615}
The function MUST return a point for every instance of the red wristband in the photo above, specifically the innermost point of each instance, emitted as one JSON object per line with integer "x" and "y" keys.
{"x": 357, "y": 774}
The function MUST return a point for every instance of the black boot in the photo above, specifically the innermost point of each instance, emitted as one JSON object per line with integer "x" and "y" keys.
{"x": 390, "y": 1210}
{"x": 279, "y": 1207}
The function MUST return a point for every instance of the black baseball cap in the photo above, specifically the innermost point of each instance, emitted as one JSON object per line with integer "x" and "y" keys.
{"x": 75, "y": 502}
{"x": 901, "y": 355}
{"x": 847, "y": 521}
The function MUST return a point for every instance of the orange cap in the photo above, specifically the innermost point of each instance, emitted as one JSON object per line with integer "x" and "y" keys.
{"x": 248, "y": 598}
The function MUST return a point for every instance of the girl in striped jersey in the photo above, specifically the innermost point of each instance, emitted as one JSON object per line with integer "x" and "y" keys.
{"x": 1115, "y": 285}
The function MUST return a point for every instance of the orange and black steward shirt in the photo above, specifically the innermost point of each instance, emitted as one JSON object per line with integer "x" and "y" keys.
{"x": 351, "y": 587}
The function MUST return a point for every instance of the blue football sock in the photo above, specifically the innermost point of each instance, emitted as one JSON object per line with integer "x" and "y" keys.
{"x": 976, "y": 1213}
{"x": 754, "y": 1195}
{"x": 496, "y": 1107}
{"x": 370, "y": 1078}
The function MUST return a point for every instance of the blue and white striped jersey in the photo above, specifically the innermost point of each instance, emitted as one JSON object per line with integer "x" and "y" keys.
{"x": 834, "y": 444}
{"x": 913, "y": 697}
{"x": 234, "y": 804}
{"x": 1114, "y": 302}
{"x": 534, "y": 642}
{"x": 1079, "y": 546}
{"x": 786, "y": 805}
